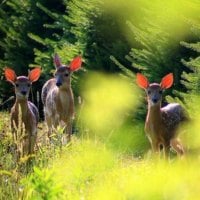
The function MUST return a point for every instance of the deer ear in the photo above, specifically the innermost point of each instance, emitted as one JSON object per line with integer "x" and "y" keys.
{"x": 57, "y": 61}
{"x": 34, "y": 74}
{"x": 10, "y": 75}
{"x": 142, "y": 81}
{"x": 75, "y": 63}
{"x": 167, "y": 81}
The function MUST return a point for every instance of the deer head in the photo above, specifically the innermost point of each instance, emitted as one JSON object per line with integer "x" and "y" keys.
{"x": 63, "y": 72}
{"x": 22, "y": 83}
{"x": 154, "y": 90}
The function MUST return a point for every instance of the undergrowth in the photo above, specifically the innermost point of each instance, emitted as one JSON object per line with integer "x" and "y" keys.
{"x": 92, "y": 169}
{"x": 108, "y": 157}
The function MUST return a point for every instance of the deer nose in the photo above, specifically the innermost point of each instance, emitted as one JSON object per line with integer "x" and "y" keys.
{"x": 155, "y": 100}
{"x": 58, "y": 84}
{"x": 23, "y": 92}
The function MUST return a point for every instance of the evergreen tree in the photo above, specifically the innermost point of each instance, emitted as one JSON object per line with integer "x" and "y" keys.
{"x": 85, "y": 29}
{"x": 191, "y": 80}
{"x": 34, "y": 30}
{"x": 157, "y": 50}
{"x": 17, "y": 20}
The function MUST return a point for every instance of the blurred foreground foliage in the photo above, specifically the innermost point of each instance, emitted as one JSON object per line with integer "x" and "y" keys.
{"x": 154, "y": 38}
{"x": 108, "y": 158}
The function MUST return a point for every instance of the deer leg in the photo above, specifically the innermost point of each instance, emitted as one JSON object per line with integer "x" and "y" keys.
{"x": 166, "y": 150}
{"x": 32, "y": 140}
{"x": 28, "y": 143}
{"x": 177, "y": 146}
{"x": 159, "y": 147}
{"x": 68, "y": 129}
{"x": 49, "y": 125}
{"x": 155, "y": 146}
{"x": 56, "y": 121}
{"x": 25, "y": 146}
{"x": 13, "y": 130}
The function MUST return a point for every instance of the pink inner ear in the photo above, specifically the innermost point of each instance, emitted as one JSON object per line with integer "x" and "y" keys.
{"x": 167, "y": 81}
{"x": 10, "y": 75}
{"x": 34, "y": 74}
{"x": 57, "y": 60}
{"x": 142, "y": 81}
{"x": 76, "y": 63}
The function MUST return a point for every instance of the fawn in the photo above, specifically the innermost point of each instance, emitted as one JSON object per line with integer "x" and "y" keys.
{"x": 162, "y": 123}
{"x": 57, "y": 96}
{"x": 29, "y": 112}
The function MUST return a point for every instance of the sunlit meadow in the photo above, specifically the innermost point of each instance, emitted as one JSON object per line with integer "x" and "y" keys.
{"x": 109, "y": 157}
{"x": 103, "y": 162}
{"x": 92, "y": 169}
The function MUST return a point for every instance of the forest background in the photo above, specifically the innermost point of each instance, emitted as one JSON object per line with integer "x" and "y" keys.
{"x": 152, "y": 37}
{"x": 109, "y": 152}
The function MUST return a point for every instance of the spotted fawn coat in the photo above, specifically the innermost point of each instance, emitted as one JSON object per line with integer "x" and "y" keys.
{"x": 162, "y": 123}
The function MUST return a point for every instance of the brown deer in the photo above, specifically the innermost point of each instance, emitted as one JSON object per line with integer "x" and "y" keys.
{"x": 57, "y": 96}
{"x": 162, "y": 123}
{"x": 29, "y": 112}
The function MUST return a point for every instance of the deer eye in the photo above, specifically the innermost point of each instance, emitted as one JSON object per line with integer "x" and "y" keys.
{"x": 160, "y": 92}
{"x": 29, "y": 85}
{"x": 148, "y": 92}
{"x": 66, "y": 74}
{"x": 17, "y": 85}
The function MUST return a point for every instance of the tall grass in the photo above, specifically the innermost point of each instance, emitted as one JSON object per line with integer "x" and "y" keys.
{"x": 109, "y": 158}
{"x": 90, "y": 171}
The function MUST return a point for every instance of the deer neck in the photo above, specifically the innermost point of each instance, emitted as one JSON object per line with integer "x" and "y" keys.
{"x": 64, "y": 102}
{"x": 154, "y": 114}
{"x": 65, "y": 91}
{"x": 66, "y": 87}
{"x": 65, "y": 95}
{"x": 23, "y": 105}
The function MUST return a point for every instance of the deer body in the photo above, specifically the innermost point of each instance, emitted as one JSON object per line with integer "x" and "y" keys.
{"x": 161, "y": 123}
{"x": 30, "y": 115}
{"x": 29, "y": 112}
{"x": 58, "y": 105}
{"x": 30, "y": 118}
{"x": 57, "y": 96}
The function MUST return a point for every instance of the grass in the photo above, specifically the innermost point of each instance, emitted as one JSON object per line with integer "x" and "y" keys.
{"x": 111, "y": 162}
{"x": 95, "y": 168}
